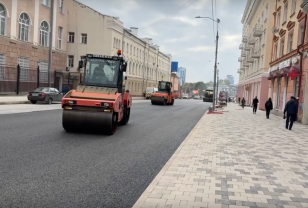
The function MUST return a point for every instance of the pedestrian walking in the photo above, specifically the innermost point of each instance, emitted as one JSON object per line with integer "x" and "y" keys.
{"x": 268, "y": 107}
{"x": 255, "y": 102}
{"x": 291, "y": 108}
{"x": 239, "y": 101}
{"x": 243, "y": 102}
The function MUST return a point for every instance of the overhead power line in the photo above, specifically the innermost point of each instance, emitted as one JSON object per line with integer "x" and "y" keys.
{"x": 171, "y": 14}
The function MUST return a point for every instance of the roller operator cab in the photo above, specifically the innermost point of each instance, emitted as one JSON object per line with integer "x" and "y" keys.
{"x": 100, "y": 101}
{"x": 164, "y": 95}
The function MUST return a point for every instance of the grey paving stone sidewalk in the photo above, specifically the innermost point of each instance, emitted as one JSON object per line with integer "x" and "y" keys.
{"x": 235, "y": 160}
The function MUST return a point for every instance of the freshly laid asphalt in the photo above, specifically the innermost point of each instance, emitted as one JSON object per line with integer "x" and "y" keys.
{"x": 43, "y": 166}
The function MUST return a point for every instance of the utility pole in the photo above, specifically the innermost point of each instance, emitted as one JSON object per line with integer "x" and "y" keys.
{"x": 215, "y": 66}
{"x": 50, "y": 42}
{"x": 217, "y": 81}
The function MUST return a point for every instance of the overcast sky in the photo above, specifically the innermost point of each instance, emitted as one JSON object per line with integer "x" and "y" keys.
{"x": 190, "y": 41}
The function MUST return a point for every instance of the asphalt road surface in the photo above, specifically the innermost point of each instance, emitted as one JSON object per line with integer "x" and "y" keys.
{"x": 43, "y": 166}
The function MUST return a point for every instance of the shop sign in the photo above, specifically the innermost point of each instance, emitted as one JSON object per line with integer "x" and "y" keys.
{"x": 273, "y": 68}
{"x": 292, "y": 74}
{"x": 284, "y": 64}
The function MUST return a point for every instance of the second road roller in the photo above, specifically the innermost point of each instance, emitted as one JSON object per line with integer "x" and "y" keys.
{"x": 100, "y": 101}
{"x": 164, "y": 95}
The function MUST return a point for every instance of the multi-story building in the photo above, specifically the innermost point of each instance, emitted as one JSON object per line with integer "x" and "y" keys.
{"x": 92, "y": 32}
{"x": 24, "y": 39}
{"x": 289, "y": 43}
{"x": 255, "y": 50}
{"x": 231, "y": 79}
{"x": 182, "y": 75}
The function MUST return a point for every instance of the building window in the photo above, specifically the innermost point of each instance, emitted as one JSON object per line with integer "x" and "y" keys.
{"x": 44, "y": 33}
{"x": 127, "y": 48}
{"x": 301, "y": 35}
{"x": 2, "y": 66}
{"x": 278, "y": 20}
{"x": 46, "y": 2}
{"x": 290, "y": 43}
{"x": 295, "y": 87}
{"x": 263, "y": 38}
{"x": 275, "y": 51}
{"x": 70, "y": 61}
{"x": 2, "y": 19}
{"x": 43, "y": 71}
{"x": 61, "y": 6}
{"x": 131, "y": 47}
{"x": 24, "y": 22}
{"x": 24, "y": 68}
{"x": 60, "y": 29}
{"x": 262, "y": 16}
{"x": 84, "y": 38}
{"x": 266, "y": 11}
{"x": 281, "y": 48}
{"x": 123, "y": 44}
{"x": 285, "y": 12}
{"x": 293, "y": 6}
{"x": 71, "y": 37}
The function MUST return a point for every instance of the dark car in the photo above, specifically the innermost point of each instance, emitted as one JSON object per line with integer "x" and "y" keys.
{"x": 44, "y": 94}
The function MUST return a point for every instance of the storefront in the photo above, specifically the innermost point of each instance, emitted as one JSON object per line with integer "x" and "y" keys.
{"x": 284, "y": 83}
{"x": 258, "y": 86}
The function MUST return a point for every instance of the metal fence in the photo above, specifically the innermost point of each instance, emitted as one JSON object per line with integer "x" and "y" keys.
{"x": 20, "y": 79}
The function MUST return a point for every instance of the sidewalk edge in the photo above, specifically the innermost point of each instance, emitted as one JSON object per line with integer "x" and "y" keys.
{"x": 14, "y": 102}
{"x": 154, "y": 182}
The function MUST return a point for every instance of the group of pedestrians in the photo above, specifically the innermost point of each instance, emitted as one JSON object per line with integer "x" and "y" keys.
{"x": 289, "y": 113}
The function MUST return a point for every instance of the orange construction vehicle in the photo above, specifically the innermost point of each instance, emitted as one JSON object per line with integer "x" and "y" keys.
{"x": 100, "y": 101}
{"x": 164, "y": 95}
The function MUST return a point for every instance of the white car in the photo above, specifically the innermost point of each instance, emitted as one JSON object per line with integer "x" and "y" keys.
{"x": 197, "y": 97}
{"x": 185, "y": 96}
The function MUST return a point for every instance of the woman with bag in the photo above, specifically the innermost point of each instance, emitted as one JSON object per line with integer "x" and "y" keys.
{"x": 268, "y": 107}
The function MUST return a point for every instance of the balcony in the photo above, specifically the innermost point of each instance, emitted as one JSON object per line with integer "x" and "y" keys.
{"x": 257, "y": 31}
{"x": 244, "y": 39}
{"x": 241, "y": 46}
{"x": 256, "y": 54}
{"x": 305, "y": 6}
{"x": 249, "y": 59}
{"x": 247, "y": 47}
{"x": 243, "y": 54}
{"x": 251, "y": 40}
{"x": 245, "y": 63}
{"x": 240, "y": 59}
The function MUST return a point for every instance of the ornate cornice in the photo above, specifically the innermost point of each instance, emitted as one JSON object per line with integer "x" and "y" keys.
{"x": 300, "y": 16}
{"x": 290, "y": 25}
{"x": 282, "y": 32}
{"x": 275, "y": 38}
{"x": 278, "y": 9}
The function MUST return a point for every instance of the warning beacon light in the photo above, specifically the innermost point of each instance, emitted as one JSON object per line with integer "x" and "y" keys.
{"x": 119, "y": 52}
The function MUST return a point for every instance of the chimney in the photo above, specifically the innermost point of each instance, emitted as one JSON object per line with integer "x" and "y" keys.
{"x": 134, "y": 31}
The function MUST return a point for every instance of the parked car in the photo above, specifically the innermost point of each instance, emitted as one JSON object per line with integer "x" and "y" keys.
{"x": 44, "y": 94}
{"x": 176, "y": 94}
{"x": 185, "y": 96}
{"x": 197, "y": 97}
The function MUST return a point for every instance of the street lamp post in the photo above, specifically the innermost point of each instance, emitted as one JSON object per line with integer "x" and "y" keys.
{"x": 215, "y": 66}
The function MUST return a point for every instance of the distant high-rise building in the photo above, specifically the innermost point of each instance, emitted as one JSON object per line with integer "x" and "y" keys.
{"x": 230, "y": 78}
{"x": 182, "y": 75}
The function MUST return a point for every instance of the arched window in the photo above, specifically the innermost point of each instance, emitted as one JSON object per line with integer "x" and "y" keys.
{"x": 24, "y": 22}
{"x": 2, "y": 19}
{"x": 44, "y": 34}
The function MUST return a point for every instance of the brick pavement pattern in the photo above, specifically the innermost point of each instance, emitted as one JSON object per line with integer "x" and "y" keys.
{"x": 235, "y": 160}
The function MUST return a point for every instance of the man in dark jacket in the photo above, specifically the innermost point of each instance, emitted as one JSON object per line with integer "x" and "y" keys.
{"x": 291, "y": 109}
{"x": 255, "y": 105}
